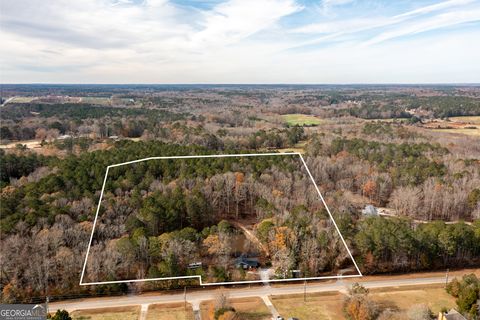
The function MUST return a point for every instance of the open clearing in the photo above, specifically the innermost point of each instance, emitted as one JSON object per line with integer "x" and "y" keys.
{"x": 460, "y": 125}
{"x": 171, "y": 311}
{"x": 29, "y": 144}
{"x": 22, "y": 99}
{"x": 297, "y": 119}
{"x": 470, "y": 132}
{"x": 467, "y": 119}
{"x": 319, "y": 306}
{"x": 125, "y": 313}
{"x": 247, "y": 308}
{"x": 104, "y": 101}
{"x": 387, "y": 120}
{"x": 403, "y": 298}
{"x": 329, "y": 305}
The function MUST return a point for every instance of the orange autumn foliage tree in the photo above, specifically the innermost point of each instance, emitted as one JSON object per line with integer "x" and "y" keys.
{"x": 283, "y": 236}
{"x": 229, "y": 315}
{"x": 358, "y": 305}
{"x": 370, "y": 189}
{"x": 212, "y": 242}
{"x": 357, "y": 309}
{"x": 239, "y": 177}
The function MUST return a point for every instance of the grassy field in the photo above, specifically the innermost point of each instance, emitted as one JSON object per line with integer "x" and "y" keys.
{"x": 328, "y": 306}
{"x": 125, "y": 313}
{"x": 467, "y": 119}
{"x": 96, "y": 100}
{"x": 290, "y": 150}
{"x": 299, "y": 147}
{"x": 247, "y": 308}
{"x": 470, "y": 132}
{"x": 321, "y": 306}
{"x": 388, "y": 120}
{"x": 296, "y": 119}
{"x": 23, "y": 99}
{"x": 461, "y": 125}
{"x": 403, "y": 298}
{"x": 172, "y": 311}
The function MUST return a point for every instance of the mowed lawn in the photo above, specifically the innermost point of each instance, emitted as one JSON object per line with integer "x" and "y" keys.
{"x": 320, "y": 306}
{"x": 125, "y": 313}
{"x": 403, "y": 298}
{"x": 248, "y": 309}
{"x": 171, "y": 311}
{"x": 297, "y": 119}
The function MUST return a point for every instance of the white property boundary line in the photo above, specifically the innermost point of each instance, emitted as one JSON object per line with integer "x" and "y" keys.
{"x": 198, "y": 276}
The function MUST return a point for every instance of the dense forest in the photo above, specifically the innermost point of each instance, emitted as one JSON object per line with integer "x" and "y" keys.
{"x": 182, "y": 206}
{"x": 160, "y": 223}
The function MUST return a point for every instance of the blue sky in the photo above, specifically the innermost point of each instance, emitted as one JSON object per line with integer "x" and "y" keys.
{"x": 239, "y": 41}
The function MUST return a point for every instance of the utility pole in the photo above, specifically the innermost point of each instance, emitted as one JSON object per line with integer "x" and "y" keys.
{"x": 185, "y": 297}
{"x": 446, "y": 278}
{"x": 304, "y": 290}
{"x": 46, "y": 286}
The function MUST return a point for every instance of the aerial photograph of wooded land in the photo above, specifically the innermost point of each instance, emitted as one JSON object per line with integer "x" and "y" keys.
{"x": 219, "y": 218}
{"x": 405, "y": 193}
{"x": 240, "y": 160}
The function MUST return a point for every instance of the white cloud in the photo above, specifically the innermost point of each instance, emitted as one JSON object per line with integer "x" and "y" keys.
{"x": 125, "y": 41}
{"x": 353, "y": 25}
{"x": 436, "y": 7}
{"x": 235, "y": 20}
{"x": 328, "y": 4}
{"x": 437, "y": 22}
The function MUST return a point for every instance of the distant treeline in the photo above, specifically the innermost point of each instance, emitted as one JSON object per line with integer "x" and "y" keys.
{"x": 26, "y": 121}
{"x": 80, "y": 111}
{"x": 436, "y": 106}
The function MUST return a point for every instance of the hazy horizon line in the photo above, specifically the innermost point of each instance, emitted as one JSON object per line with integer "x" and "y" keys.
{"x": 247, "y": 83}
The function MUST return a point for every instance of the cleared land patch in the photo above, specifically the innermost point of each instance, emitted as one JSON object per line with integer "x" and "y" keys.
{"x": 171, "y": 311}
{"x": 125, "y": 313}
{"x": 468, "y": 119}
{"x": 104, "y": 101}
{"x": 22, "y": 99}
{"x": 297, "y": 119}
{"x": 319, "y": 306}
{"x": 246, "y": 308}
{"x": 460, "y": 125}
{"x": 470, "y": 132}
{"x": 403, "y": 298}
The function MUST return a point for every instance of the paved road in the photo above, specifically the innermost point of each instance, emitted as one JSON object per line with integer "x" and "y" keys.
{"x": 194, "y": 297}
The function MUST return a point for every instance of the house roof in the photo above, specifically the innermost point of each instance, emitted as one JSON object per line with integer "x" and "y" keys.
{"x": 247, "y": 261}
